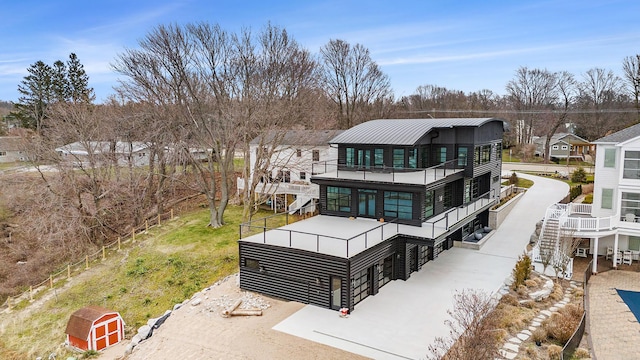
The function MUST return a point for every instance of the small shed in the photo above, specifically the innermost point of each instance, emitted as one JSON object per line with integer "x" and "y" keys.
{"x": 94, "y": 328}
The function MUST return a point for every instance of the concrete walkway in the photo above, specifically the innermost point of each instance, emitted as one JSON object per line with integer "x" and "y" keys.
{"x": 405, "y": 317}
{"x": 615, "y": 332}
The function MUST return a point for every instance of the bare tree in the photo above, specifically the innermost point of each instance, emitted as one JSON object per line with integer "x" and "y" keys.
{"x": 631, "y": 72}
{"x": 531, "y": 90}
{"x": 562, "y": 94}
{"x": 599, "y": 92}
{"x": 472, "y": 329}
{"x": 353, "y": 81}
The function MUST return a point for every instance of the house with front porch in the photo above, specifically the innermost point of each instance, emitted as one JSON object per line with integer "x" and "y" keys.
{"x": 565, "y": 146}
{"x": 399, "y": 193}
{"x": 611, "y": 225}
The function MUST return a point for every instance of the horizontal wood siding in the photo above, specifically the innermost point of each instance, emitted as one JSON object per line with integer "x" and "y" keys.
{"x": 292, "y": 274}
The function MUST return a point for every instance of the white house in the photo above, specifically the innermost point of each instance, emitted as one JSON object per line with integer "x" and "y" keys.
{"x": 11, "y": 149}
{"x": 612, "y": 223}
{"x": 82, "y": 153}
{"x": 285, "y": 175}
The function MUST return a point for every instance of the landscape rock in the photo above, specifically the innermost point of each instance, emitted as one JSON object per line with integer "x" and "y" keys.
{"x": 136, "y": 340}
{"x": 196, "y": 302}
{"x": 177, "y": 306}
{"x": 144, "y": 332}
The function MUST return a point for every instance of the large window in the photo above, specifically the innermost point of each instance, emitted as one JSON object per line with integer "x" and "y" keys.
{"x": 398, "y": 158}
{"x": 316, "y": 155}
{"x": 441, "y": 154}
{"x": 398, "y": 204}
{"x": 428, "y": 204}
{"x": 499, "y": 151}
{"x": 609, "y": 158}
{"x": 338, "y": 199}
{"x": 482, "y": 154}
{"x": 378, "y": 157}
{"x": 607, "y": 198}
{"x": 631, "y": 165}
{"x": 630, "y": 204}
{"x": 634, "y": 243}
{"x": 462, "y": 156}
{"x": 413, "y": 158}
{"x": 350, "y": 157}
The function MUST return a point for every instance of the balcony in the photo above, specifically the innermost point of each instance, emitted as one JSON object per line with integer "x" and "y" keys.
{"x": 332, "y": 170}
{"x": 346, "y": 237}
{"x": 577, "y": 217}
{"x": 276, "y": 188}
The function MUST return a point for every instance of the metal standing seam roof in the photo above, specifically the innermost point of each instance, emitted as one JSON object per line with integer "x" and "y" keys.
{"x": 622, "y": 135}
{"x": 401, "y": 131}
{"x": 300, "y": 137}
{"x": 81, "y": 320}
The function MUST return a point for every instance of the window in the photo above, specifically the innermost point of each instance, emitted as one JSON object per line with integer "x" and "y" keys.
{"x": 385, "y": 271}
{"x": 482, "y": 154}
{"x": 609, "y": 158}
{"x": 630, "y": 204}
{"x": 607, "y": 198}
{"x": 350, "y": 156}
{"x": 4, "y": 153}
{"x": 499, "y": 151}
{"x": 447, "y": 196}
{"x": 631, "y": 165}
{"x": 286, "y": 176}
{"x": 413, "y": 158}
{"x": 634, "y": 243}
{"x": 338, "y": 199}
{"x": 252, "y": 264}
{"x": 565, "y": 147}
{"x": 398, "y": 158}
{"x": 303, "y": 175}
{"x": 441, "y": 155}
{"x": 316, "y": 155}
{"x": 428, "y": 204}
{"x": 398, "y": 205}
{"x": 378, "y": 157}
{"x": 462, "y": 156}
{"x": 298, "y": 153}
{"x": 555, "y": 147}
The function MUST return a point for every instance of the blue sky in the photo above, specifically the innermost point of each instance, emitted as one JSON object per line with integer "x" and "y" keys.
{"x": 461, "y": 45}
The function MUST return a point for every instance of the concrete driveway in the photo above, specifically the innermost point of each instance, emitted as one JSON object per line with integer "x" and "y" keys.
{"x": 405, "y": 317}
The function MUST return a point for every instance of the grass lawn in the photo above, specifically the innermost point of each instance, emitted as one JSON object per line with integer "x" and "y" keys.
{"x": 142, "y": 281}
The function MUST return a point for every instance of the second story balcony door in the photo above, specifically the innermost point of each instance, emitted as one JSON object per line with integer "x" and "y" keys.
{"x": 367, "y": 203}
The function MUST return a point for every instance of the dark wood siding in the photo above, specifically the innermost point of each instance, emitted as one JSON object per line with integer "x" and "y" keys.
{"x": 292, "y": 274}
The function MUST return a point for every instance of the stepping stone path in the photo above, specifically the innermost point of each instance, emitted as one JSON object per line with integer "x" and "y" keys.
{"x": 510, "y": 349}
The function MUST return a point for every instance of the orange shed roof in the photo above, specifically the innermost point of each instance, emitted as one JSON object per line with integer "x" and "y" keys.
{"x": 80, "y": 321}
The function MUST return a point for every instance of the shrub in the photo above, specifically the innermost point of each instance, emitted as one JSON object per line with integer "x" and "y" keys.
{"x": 539, "y": 334}
{"x": 562, "y": 325}
{"x": 581, "y": 353}
{"x": 530, "y": 283}
{"x": 510, "y": 300}
{"x": 522, "y": 271}
{"x": 555, "y": 352}
{"x": 588, "y": 199}
{"x": 579, "y": 175}
{"x": 558, "y": 293}
{"x": 575, "y": 192}
{"x": 513, "y": 179}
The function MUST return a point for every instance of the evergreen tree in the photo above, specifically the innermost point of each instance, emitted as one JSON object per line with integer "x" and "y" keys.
{"x": 36, "y": 91}
{"x": 78, "y": 80}
{"x": 60, "y": 81}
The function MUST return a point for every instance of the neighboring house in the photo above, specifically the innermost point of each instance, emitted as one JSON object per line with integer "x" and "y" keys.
{"x": 564, "y": 145}
{"x": 11, "y": 149}
{"x": 399, "y": 193}
{"x": 612, "y": 223}
{"x": 288, "y": 171}
{"x": 83, "y": 153}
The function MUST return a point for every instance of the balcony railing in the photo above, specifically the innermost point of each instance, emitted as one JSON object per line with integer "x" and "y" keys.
{"x": 311, "y": 190}
{"x": 574, "y": 216}
{"x": 331, "y": 168}
{"x": 265, "y": 231}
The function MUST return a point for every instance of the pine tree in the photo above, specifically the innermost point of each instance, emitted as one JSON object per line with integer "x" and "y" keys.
{"x": 36, "y": 91}
{"x": 60, "y": 81}
{"x": 79, "y": 90}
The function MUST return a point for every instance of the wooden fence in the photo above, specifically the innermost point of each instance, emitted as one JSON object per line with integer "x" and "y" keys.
{"x": 83, "y": 264}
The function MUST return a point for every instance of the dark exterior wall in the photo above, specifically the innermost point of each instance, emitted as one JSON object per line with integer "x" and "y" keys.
{"x": 292, "y": 274}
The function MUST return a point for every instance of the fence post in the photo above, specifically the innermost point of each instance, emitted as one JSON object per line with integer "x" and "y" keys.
{"x": 171, "y": 214}
{"x": 133, "y": 235}
{"x": 51, "y": 281}
{"x": 158, "y": 219}
{"x": 31, "y": 293}
{"x": 86, "y": 262}
{"x": 146, "y": 226}
{"x": 103, "y": 253}
{"x": 118, "y": 243}
{"x": 68, "y": 271}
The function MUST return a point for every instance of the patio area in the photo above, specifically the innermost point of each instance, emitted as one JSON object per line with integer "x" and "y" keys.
{"x": 580, "y": 266}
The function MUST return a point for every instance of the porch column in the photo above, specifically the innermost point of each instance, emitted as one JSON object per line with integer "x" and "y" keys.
{"x": 615, "y": 251}
{"x": 594, "y": 270}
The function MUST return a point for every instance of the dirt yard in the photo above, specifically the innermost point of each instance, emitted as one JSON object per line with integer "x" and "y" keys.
{"x": 200, "y": 332}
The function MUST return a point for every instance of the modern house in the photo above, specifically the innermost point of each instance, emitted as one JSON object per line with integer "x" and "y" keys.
{"x": 282, "y": 163}
{"x": 399, "y": 193}
{"x": 83, "y": 153}
{"x": 565, "y": 145}
{"x": 611, "y": 225}
{"x": 11, "y": 149}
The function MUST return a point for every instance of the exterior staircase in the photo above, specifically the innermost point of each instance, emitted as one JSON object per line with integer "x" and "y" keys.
{"x": 548, "y": 248}
{"x": 299, "y": 205}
